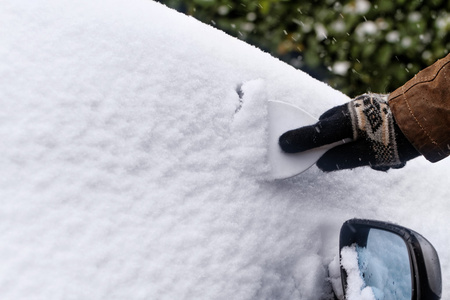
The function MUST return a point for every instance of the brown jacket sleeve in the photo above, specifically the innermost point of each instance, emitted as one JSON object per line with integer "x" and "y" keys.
{"x": 421, "y": 108}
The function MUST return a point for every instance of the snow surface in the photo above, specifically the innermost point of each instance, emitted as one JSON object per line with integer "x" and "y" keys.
{"x": 134, "y": 163}
{"x": 356, "y": 286}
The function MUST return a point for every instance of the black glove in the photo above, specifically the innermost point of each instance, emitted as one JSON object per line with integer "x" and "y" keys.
{"x": 377, "y": 140}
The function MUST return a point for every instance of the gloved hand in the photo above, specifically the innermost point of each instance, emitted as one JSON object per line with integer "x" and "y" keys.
{"x": 377, "y": 140}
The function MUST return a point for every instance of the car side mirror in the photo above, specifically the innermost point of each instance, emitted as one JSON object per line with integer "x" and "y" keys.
{"x": 381, "y": 260}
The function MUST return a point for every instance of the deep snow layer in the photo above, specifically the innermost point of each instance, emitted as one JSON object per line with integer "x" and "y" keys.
{"x": 133, "y": 163}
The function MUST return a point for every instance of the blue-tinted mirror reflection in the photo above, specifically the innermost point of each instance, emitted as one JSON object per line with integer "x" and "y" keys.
{"x": 385, "y": 267}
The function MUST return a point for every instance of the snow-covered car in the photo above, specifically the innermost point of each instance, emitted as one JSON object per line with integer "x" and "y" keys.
{"x": 133, "y": 163}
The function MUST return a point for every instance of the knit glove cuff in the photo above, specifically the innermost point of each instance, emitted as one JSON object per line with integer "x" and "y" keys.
{"x": 372, "y": 120}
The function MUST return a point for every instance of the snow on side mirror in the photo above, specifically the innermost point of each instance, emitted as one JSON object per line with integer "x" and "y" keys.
{"x": 382, "y": 260}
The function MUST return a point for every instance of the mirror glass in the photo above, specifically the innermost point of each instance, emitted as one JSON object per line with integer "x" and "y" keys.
{"x": 384, "y": 265}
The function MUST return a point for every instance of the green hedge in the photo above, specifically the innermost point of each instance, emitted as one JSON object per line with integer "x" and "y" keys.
{"x": 355, "y": 46}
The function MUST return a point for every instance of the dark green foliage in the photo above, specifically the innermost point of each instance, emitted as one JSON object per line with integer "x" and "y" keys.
{"x": 355, "y": 46}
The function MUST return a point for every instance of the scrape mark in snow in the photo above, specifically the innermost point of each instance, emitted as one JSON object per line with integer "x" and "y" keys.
{"x": 249, "y": 129}
{"x": 241, "y": 97}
